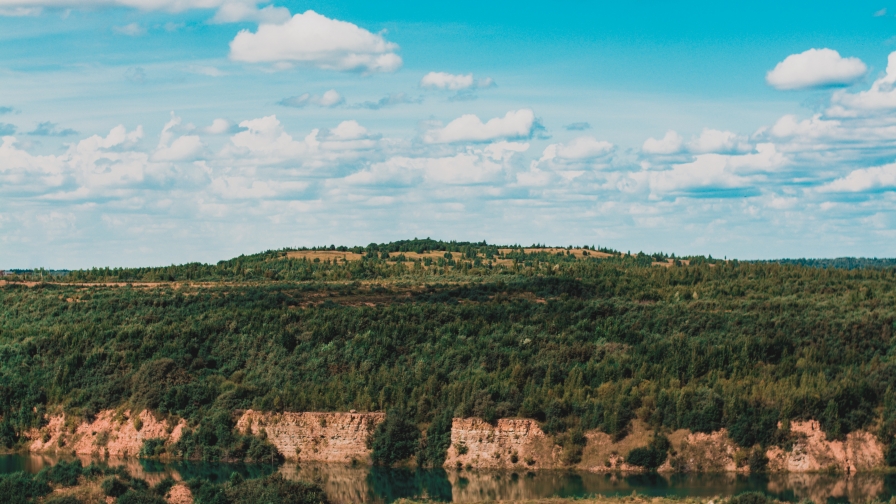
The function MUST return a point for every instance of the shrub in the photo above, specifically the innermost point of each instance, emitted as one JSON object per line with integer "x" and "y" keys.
{"x": 891, "y": 454}
{"x": 20, "y": 488}
{"x": 152, "y": 447}
{"x": 139, "y": 497}
{"x": 750, "y": 498}
{"x": 68, "y": 499}
{"x": 63, "y": 474}
{"x": 113, "y": 487}
{"x": 652, "y": 456}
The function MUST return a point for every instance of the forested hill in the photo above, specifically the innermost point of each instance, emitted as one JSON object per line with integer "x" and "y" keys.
{"x": 576, "y": 338}
{"x": 840, "y": 262}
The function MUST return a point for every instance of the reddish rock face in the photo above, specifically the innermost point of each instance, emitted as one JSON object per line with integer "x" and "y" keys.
{"x": 318, "y": 437}
{"x": 511, "y": 443}
{"x": 113, "y": 434}
{"x": 812, "y": 452}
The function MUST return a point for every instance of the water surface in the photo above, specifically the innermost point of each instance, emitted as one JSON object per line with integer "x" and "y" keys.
{"x": 346, "y": 484}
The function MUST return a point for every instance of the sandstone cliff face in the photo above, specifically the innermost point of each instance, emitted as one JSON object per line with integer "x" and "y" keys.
{"x": 109, "y": 435}
{"x": 318, "y": 437}
{"x": 861, "y": 451}
{"x": 512, "y": 443}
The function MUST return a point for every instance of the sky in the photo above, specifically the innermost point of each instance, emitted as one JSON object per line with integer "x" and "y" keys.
{"x": 153, "y": 132}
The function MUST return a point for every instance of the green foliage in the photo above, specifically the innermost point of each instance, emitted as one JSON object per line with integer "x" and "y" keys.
{"x": 395, "y": 439}
{"x": 21, "y": 488}
{"x": 652, "y": 456}
{"x": 139, "y": 497}
{"x": 891, "y": 454}
{"x": 67, "y": 499}
{"x": 64, "y": 473}
{"x": 152, "y": 448}
{"x": 113, "y": 487}
{"x": 750, "y": 498}
{"x": 753, "y": 425}
{"x": 273, "y": 489}
{"x": 757, "y": 461}
{"x": 433, "y": 451}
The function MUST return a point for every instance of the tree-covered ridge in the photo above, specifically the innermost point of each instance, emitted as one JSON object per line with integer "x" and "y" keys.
{"x": 578, "y": 345}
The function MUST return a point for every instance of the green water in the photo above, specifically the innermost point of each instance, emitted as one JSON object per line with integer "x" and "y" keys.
{"x": 345, "y": 484}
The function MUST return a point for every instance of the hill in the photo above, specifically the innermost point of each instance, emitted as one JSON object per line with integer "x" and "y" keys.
{"x": 575, "y": 338}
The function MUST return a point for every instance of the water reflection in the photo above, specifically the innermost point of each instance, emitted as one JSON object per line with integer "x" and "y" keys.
{"x": 348, "y": 484}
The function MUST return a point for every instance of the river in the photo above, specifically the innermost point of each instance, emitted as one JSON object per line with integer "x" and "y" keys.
{"x": 345, "y": 484}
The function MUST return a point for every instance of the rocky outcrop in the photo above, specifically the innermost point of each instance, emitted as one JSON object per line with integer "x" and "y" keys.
{"x": 318, "y": 437}
{"x": 701, "y": 452}
{"x": 512, "y": 443}
{"x": 812, "y": 452}
{"x": 110, "y": 434}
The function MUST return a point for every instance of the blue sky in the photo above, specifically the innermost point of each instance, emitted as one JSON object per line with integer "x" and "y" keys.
{"x": 148, "y": 132}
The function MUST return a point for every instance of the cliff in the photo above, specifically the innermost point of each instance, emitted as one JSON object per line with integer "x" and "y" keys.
{"x": 110, "y": 434}
{"x": 517, "y": 444}
{"x": 317, "y": 437}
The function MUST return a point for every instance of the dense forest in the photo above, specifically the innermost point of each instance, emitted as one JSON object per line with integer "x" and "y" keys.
{"x": 577, "y": 338}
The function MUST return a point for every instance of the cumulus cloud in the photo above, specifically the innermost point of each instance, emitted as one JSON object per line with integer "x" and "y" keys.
{"x": 177, "y": 148}
{"x": 712, "y": 140}
{"x": 878, "y": 178}
{"x": 219, "y": 127}
{"x": 882, "y": 94}
{"x": 815, "y": 68}
{"x": 669, "y": 144}
{"x": 452, "y": 82}
{"x": 331, "y": 98}
{"x": 469, "y": 128}
{"x": 473, "y": 167}
{"x": 316, "y": 40}
{"x": 51, "y": 129}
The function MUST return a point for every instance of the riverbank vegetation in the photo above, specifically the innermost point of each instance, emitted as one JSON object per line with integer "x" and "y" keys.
{"x": 576, "y": 338}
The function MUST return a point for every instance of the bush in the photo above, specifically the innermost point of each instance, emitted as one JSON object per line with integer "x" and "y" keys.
{"x": 68, "y": 499}
{"x": 438, "y": 438}
{"x": 139, "y": 497}
{"x": 62, "y": 474}
{"x": 750, "y": 498}
{"x": 757, "y": 461}
{"x": 113, "y": 487}
{"x": 152, "y": 448}
{"x": 20, "y": 488}
{"x": 652, "y": 456}
{"x": 891, "y": 454}
{"x": 394, "y": 440}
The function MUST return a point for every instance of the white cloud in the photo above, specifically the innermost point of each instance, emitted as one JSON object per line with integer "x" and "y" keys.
{"x": 815, "y": 68}
{"x": 228, "y": 11}
{"x": 880, "y": 13}
{"x": 882, "y": 94}
{"x": 469, "y": 128}
{"x": 670, "y": 144}
{"x": 181, "y": 148}
{"x": 863, "y": 180}
{"x": 576, "y": 151}
{"x": 712, "y": 140}
{"x": 487, "y": 165}
{"x": 452, "y": 82}
{"x": 218, "y": 127}
{"x": 315, "y": 40}
{"x": 330, "y": 98}
{"x": 131, "y": 30}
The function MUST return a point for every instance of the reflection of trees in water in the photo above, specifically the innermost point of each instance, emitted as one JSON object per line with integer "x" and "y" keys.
{"x": 347, "y": 484}
{"x": 388, "y": 484}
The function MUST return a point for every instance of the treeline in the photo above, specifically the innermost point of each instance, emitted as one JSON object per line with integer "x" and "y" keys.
{"x": 580, "y": 345}
{"x": 840, "y": 262}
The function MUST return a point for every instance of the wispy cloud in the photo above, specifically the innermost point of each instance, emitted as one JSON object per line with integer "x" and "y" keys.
{"x": 577, "y": 126}
{"x": 131, "y": 30}
{"x": 51, "y": 129}
{"x": 388, "y": 101}
{"x": 329, "y": 99}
